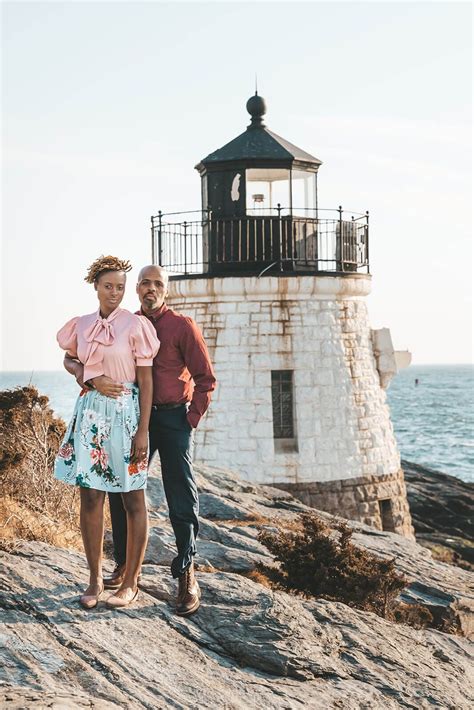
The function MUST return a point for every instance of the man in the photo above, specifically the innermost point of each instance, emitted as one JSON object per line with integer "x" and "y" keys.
{"x": 183, "y": 380}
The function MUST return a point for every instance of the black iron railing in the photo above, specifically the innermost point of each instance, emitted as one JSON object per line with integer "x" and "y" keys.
{"x": 187, "y": 243}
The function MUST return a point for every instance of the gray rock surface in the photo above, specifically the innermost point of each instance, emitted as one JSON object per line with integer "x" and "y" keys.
{"x": 225, "y": 542}
{"x": 446, "y": 590}
{"x": 247, "y": 647}
{"x": 442, "y": 510}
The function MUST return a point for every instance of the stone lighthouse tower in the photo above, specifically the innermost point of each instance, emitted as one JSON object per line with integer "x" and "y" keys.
{"x": 278, "y": 286}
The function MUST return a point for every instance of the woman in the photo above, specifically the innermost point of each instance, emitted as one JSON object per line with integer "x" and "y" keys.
{"x": 105, "y": 446}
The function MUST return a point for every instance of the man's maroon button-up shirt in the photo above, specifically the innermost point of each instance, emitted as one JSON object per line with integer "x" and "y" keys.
{"x": 182, "y": 369}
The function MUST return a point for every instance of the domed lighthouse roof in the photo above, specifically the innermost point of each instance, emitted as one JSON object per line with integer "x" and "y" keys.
{"x": 259, "y": 147}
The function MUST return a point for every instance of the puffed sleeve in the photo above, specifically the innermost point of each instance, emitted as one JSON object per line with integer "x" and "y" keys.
{"x": 144, "y": 342}
{"x": 67, "y": 337}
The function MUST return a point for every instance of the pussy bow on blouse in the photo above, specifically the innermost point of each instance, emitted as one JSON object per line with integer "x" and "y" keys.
{"x": 100, "y": 332}
{"x": 112, "y": 346}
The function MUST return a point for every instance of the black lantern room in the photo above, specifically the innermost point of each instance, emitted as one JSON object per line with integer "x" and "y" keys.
{"x": 259, "y": 173}
{"x": 259, "y": 214}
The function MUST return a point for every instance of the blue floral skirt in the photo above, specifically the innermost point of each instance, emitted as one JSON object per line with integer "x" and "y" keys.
{"x": 95, "y": 452}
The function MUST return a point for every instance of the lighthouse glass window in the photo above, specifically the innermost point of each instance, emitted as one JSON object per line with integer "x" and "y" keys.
{"x": 303, "y": 194}
{"x": 283, "y": 410}
{"x": 266, "y": 188}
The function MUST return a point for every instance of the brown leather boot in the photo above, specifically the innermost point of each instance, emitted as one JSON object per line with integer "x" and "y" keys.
{"x": 187, "y": 600}
{"x": 116, "y": 578}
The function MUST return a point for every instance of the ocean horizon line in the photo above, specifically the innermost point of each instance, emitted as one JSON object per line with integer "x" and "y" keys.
{"x": 418, "y": 364}
{"x": 431, "y": 408}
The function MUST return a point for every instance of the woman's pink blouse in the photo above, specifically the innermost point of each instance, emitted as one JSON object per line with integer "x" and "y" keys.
{"x": 112, "y": 346}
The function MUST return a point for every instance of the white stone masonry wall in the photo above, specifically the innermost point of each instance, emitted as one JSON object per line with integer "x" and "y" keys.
{"x": 318, "y": 327}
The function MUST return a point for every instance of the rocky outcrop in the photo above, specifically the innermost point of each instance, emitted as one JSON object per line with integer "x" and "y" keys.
{"x": 442, "y": 510}
{"x": 248, "y": 646}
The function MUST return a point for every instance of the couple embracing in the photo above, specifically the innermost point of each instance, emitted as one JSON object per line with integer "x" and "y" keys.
{"x": 146, "y": 381}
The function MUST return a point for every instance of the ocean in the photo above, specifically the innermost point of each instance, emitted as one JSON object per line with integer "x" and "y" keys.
{"x": 433, "y": 420}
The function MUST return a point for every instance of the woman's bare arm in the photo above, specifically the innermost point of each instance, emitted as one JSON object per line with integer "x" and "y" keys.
{"x": 145, "y": 386}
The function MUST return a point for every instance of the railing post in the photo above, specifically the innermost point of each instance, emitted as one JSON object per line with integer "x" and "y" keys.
{"x": 211, "y": 237}
{"x": 353, "y": 242}
{"x": 160, "y": 224}
{"x": 152, "y": 241}
{"x": 340, "y": 245}
{"x": 185, "y": 226}
{"x": 367, "y": 240}
{"x": 280, "y": 238}
{"x": 206, "y": 240}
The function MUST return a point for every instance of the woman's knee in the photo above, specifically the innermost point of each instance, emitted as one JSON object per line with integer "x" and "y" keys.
{"x": 134, "y": 502}
{"x": 92, "y": 500}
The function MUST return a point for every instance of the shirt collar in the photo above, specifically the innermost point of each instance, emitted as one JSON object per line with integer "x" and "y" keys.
{"x": 156, "y": 315}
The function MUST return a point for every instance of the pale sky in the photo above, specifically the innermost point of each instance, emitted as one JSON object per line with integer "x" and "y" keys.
{"x": 107, "y": 107}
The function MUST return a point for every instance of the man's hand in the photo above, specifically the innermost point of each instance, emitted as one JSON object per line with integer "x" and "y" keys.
{"x": 75, "y": 368}
{"x": 107, "y": 386}
{"x": 139, "y": 447}
{"x": 80, "y": 381}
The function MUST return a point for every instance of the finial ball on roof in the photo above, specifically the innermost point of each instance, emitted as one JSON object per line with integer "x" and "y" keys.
{"x": 256, "y": 106}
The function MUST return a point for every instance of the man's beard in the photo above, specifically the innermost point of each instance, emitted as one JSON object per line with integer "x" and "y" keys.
{"x": 152, "y": 303}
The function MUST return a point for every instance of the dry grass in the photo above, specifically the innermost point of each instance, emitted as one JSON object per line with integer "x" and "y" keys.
{"x": 253, "y": 521}
{"x": 258, "y": 576}
{"x": 30, "y": 436}
{"x": 33, "y": 504}
{"x": 442, "y": 554}
{"x": 205, "y": 569}
{"x": 448, "y": 555}
{"x": 20, "y": 522}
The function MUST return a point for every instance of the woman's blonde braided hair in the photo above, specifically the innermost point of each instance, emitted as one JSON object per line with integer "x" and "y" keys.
{"x": 106, "y": 263}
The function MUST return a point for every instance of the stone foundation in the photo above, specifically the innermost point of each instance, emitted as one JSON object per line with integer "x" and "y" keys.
{"x": 378, "y": 501}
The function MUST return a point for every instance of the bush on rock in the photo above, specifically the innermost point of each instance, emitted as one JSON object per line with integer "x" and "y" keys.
{"x": 33, "y": 504}
{"x": 320, "y": 561}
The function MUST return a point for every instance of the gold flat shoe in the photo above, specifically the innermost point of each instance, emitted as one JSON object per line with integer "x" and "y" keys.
{"x": 115, "y": 602}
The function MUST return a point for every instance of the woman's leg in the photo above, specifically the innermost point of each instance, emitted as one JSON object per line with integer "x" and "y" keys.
{"x": 92, "y": 529}
{"x": 137, "y": 538}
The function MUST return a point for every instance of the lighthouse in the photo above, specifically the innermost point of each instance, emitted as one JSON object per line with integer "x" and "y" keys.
{"x": 278, "y": 285}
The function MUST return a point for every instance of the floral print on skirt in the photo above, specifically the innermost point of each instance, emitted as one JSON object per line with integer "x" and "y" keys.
{"x": 95, "y": 452}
